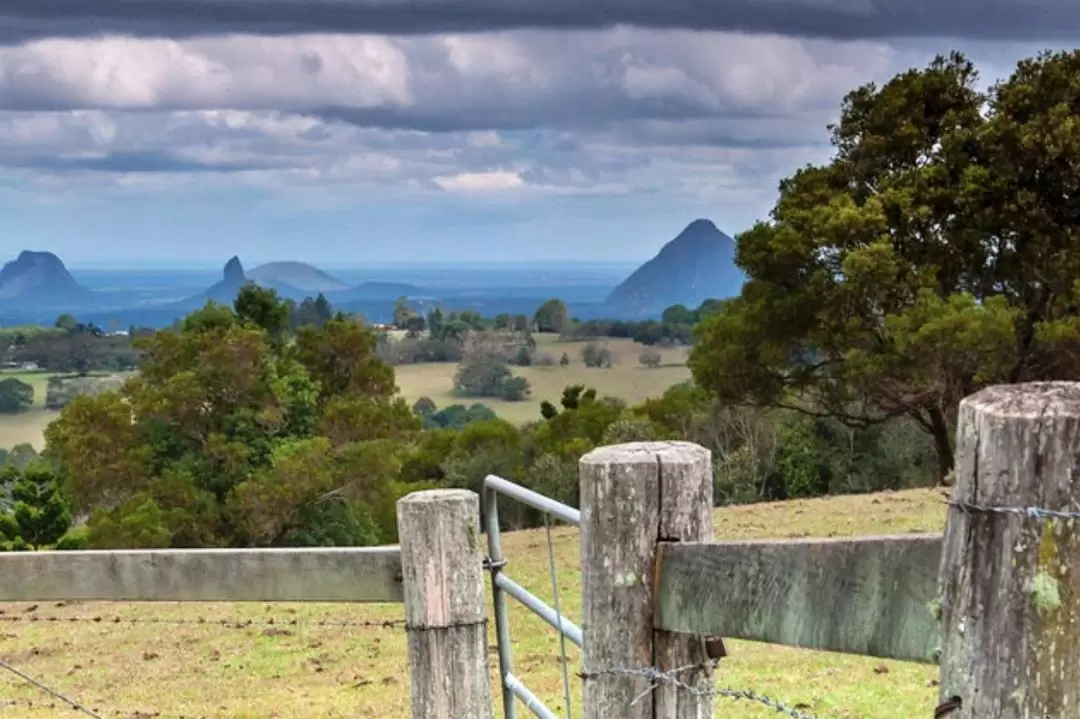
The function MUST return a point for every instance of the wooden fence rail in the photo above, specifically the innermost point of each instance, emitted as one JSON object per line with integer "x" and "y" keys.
{"x": 996, "y": 600}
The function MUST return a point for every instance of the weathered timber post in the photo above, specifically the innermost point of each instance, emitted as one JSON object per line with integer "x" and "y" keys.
{"x": 633, "y": 498}
{"x": 443, "y": 576}
{"x": 1010, "y": 579}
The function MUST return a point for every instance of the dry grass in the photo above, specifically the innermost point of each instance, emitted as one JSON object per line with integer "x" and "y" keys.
{"x": 27, "y": 427}
{"x": 206, "y": 671}
{"x": 627, "y": 379}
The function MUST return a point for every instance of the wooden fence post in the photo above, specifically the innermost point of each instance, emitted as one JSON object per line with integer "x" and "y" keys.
{"x": 1010, "y": 579}
{"x": 634, "y": 496}
{"x": 443, "y": 577}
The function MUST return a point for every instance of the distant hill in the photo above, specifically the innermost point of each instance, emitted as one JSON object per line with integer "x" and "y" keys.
{"x": 697, "y": 265}
{"x": 376, "y": 291}
{"x": 39, "y": 277}
{"x": 300, "y": 275}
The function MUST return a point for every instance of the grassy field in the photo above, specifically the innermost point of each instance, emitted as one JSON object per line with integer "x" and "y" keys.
{"x": 193, "y": 670}
{"x": 28, "y": 426}
{"x": 627, "y": 379}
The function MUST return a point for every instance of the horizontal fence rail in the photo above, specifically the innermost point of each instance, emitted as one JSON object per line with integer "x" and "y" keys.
{"x": 502, "y": 585}
{"x": 317, "y": 574}
{"x": 872, "y": 596}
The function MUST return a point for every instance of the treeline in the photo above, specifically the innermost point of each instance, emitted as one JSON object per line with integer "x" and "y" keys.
{"x": 71, "y": 347}
{"x": 240, "y": 431}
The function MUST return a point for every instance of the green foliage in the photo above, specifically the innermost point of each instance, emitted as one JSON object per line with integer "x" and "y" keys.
{"x": 457, "y": 416}
{"x": 39, "y": 515}
{"x": 935, "y": 254}
{"x": 484, "y": 374}
{"x": 552, "y": 316}
{"x": 15, "y": 395}
{"x": 230, "y": 436}
{"x": 262, "y": 308}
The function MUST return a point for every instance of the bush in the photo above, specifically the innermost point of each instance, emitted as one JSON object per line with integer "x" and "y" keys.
{"x": 523, "y": 357}
{"x": 543, "y": 359}
{"x": 489, "y": 376}
{"x": 15, "y": 395}
{"x": 595, "y": 355}
{"x": 74, "y": 540}
{"x": 515, "y": 389}
{"x": 651, "y": 359}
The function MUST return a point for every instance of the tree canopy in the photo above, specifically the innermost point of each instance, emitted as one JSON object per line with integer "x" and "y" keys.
{"x": 934, "y": 254}
{"x": 233, "y": 436}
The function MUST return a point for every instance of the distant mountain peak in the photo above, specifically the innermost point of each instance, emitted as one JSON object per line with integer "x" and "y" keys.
{"x": 234, "y": 272}
{"x": 697, "y": 265}
{"x": 38, "y": 274}
{"x": 298, "y": 275}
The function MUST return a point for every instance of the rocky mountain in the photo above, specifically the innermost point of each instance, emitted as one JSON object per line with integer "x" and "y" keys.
{"x": 300, "y": 275}
{"x": 697, "y": 265}
{"x": 225, "y": 291}
{"x": 39, "y": 277}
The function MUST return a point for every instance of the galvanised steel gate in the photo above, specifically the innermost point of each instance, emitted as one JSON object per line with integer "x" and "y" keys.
{"x": 502, "y": 585}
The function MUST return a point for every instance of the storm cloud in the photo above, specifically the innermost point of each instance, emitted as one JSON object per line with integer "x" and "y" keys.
{"x": 22, "y": 20}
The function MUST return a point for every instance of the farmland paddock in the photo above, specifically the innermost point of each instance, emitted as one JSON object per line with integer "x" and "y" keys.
{"x": 994, "y": 602}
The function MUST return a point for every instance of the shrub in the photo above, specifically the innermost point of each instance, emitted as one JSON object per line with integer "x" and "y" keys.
{"x": 515, "y": 389}
{"x": 650, "y": 358}
{"x": 15, "y": 395}
{"x": 595, "y": 355}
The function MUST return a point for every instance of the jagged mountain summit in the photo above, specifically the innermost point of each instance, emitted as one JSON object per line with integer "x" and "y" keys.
{"x": 697, "y": 265}
{"x": 38, "y": 276}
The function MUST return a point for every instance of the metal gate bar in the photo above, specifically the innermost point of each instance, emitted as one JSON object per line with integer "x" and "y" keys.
{"x": 503, "y": 585}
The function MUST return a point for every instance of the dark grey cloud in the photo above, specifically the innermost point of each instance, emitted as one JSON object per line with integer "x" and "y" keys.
{"x": 839, "y": 19}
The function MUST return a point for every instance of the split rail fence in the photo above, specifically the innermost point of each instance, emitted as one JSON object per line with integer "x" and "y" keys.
{"x": 995, "y": 601}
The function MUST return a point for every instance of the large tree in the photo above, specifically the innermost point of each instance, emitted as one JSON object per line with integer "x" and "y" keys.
{"x": 935, "y": 254}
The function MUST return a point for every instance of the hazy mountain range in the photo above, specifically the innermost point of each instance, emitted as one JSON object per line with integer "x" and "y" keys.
{"x": 697, "y": 265}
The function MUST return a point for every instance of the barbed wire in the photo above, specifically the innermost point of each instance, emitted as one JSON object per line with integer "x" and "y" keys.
{"x": 1031, "y": 512}
{"x": 657, "y": 677}
{"x": 48, "y": 690}
{"x": 30, "y": 618}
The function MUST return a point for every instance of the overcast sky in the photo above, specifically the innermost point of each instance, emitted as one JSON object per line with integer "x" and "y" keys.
{"x": 350, "y": 131}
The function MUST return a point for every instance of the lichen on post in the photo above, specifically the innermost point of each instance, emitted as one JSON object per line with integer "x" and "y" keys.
{"x": 443, "y": 577}
{"x": 633, "y": 498}
{"x": 1010, "y": 579}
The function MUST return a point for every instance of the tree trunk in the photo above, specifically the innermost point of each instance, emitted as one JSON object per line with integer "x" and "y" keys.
{"x": 939, "y": 430}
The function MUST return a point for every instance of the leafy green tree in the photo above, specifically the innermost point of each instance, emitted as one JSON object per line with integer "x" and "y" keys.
{"x": 552, "y": 316}
{"x": 425, "y": 407}
{"x": 515, "y": 389}
{"x": 66, "y": 322}
{"x": 261, "y": 307}
{"x": 15, "y": 395}
{"x": 935, "y": 254}
{"x": 341, "y": 357}
{"x": 40, "y": 515}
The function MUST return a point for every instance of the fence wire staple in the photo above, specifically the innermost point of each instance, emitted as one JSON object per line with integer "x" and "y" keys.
{"x": 657, "y": 677}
